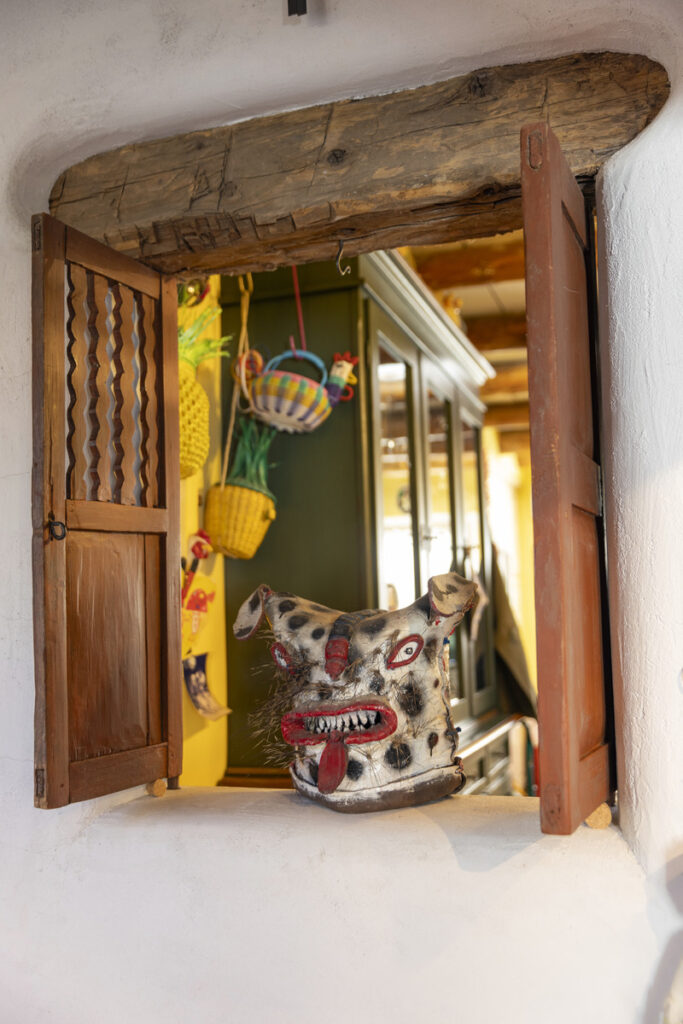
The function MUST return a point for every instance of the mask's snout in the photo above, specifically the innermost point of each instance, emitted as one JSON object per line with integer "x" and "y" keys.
{"x": 337, "y": 647}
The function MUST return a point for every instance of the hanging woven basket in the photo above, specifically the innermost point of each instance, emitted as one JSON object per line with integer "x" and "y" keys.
{"x": 237, "y": 519}
{"x": 238, "y": 512}
{"x": 289, "y": 401}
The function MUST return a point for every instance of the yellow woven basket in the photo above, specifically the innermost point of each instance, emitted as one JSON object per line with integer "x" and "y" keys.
{"x": 237, "y": 519}
{"x": 194, "y": 421}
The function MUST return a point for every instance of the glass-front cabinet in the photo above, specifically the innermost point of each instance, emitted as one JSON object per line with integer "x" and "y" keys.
{"x": 428, "y": 477}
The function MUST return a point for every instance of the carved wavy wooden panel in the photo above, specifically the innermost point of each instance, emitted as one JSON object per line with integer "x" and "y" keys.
{"x": 112, "y": 404}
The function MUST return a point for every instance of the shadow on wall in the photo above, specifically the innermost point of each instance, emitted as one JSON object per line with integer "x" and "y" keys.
{"x": 665, "y": 997}
{"x": 483, "y": 837}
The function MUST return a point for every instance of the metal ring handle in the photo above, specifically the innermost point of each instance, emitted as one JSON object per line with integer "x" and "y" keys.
{"x": 56, "y": 529}
{"x": 300, "y": 354}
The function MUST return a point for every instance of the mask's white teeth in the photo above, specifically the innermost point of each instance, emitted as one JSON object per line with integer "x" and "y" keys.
{"x": 350, "y": 721}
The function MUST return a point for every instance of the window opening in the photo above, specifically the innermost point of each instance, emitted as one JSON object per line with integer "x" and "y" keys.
{"x": 428, "y": 481}
{"x": 85, "y": 447}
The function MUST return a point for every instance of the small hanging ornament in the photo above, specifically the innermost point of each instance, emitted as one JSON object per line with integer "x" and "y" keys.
{"x": 341, "y": 378}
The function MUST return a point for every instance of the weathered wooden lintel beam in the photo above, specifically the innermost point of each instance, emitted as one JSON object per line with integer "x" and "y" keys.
{"x": 427, "y": 165}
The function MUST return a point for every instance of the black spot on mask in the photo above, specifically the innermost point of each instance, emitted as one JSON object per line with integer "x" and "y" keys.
{"x": 411, "y": 697}
{"x": 371, "y": 627}
{"x": 398, "y": 755}
{"x": 354, "y": 769}
{"x": 286, "y": 606}
{"x": 377, "y": 682}
{"x": 431, "y": 648}
{"x": 297, "y": 621}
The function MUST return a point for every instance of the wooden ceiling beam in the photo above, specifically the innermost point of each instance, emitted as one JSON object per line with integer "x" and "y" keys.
{"x": 428, "y": 165}
{"x": 497, "y": 333}
{"x": 508, "y": 385}
{"x": 516, "y": 441}
{"x": 481, "y": 264}
{"x": 508, "y": 417}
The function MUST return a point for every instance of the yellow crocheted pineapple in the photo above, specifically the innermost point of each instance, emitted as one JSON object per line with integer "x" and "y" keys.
{"x": 194, "y": 402}
{"x": 194, "y": 421}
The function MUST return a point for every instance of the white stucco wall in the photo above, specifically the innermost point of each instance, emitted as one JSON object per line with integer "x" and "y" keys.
{"x": 133, "y": 914}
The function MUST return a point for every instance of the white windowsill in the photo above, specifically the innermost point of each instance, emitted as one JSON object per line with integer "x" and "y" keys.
{"x": 492, "y": 830}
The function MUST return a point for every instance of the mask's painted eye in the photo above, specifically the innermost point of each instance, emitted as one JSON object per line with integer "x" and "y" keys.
{"x": 405, "y": 651}
{"x": 281, "y": 657}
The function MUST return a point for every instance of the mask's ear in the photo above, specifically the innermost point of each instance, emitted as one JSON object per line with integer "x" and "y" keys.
{"x": 451, "y": 595}
{"x": 250, "y": 615}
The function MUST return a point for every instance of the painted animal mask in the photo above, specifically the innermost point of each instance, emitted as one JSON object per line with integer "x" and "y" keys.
{"x": 365, "y": 695}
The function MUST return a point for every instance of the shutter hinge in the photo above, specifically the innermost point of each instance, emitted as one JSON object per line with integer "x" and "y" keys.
{"x": 37, "y": 235}
{"x": 39, "y": 783}
{"x": 601, "y": 492}
{"x": 534, "y": 150}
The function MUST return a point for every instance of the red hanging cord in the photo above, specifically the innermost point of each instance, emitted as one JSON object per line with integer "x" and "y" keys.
{"x": 299, "y": 311}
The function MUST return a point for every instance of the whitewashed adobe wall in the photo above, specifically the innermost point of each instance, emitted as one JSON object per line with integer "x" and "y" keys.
{"x": 226, "y": 910}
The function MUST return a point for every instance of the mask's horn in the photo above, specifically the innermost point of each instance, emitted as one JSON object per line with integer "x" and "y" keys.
{"x": 250, "y": 615}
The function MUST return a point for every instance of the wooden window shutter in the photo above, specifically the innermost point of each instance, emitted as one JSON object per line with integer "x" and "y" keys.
{"x": 105, "y": 519}
{"x": 573, "y": 673}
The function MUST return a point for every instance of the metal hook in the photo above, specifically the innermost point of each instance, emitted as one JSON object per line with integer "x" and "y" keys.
{"x": 345, "y": 270}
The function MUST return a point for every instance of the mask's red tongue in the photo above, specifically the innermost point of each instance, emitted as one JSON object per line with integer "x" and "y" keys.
{"x": 333, "y": 762}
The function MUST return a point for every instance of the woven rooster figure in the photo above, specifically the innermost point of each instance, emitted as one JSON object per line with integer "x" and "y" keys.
{"x": 365, "y": 699}
{"x": 341, "y": 378}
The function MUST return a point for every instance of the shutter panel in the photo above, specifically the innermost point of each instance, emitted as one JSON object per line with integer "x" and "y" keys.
{"x": 106, "y": 552}
{"x": 568, "y": 553}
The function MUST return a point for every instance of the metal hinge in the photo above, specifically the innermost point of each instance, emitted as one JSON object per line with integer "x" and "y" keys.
{"x": 37, "y": 235}
{"x": 39, "y": 783}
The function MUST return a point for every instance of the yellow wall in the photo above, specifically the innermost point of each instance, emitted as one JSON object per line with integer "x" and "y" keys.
{"x": 508, "y": 500}
{"x": 526, "y": 611}
{"x": 205, "y": 748}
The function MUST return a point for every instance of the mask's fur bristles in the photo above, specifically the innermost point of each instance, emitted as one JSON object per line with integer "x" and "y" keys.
{"x": 265, "y": 721}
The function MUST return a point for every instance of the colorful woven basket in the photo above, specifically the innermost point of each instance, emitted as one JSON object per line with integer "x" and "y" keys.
{"x": 288, "y": 401}
{"x": 237, "y": 519}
